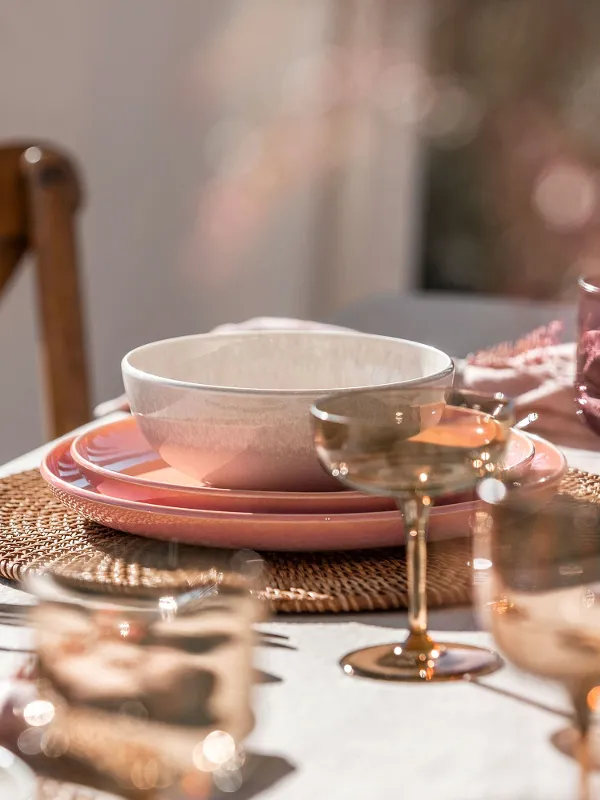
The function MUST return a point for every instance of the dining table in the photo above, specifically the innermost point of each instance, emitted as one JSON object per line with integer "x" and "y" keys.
{"x": 322, "y": 734}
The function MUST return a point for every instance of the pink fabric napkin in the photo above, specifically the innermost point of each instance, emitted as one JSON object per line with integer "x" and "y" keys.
{"x": 538, "y": 372}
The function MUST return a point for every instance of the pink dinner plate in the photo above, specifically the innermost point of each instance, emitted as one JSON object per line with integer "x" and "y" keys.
{"x": 234, "y": 529}
{"x": 118, "y": 461}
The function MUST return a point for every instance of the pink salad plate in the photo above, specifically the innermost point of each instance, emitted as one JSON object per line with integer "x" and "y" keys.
{"x": 291, "y": 532}
{"x": 118, "y": 462}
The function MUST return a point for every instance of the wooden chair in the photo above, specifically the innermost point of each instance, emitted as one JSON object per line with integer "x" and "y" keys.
{"x": 39, "y": 196}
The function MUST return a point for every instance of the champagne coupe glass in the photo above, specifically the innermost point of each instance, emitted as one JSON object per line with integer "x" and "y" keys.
{"x": 542, "y": 595}
{"x": 414, "y": 444}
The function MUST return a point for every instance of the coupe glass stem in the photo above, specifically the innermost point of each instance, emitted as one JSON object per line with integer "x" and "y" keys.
{"x": 415, "y": 513}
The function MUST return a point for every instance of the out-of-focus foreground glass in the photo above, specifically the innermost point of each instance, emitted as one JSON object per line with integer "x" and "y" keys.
{"x": 148, "y": 687}
{"x": 587, "y": 385}
{"x": 415, "y": 445}
{"x": 540, "y": 593}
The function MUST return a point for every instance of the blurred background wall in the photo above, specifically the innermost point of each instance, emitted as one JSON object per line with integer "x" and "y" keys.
{"x": 241, "y": 157}
{"x": 513, "y": 193}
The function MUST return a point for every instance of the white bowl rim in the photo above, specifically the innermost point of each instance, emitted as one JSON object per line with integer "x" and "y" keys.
{"x": 134, "y": 372}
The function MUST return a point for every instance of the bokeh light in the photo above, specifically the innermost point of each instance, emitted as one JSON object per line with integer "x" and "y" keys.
{"x": 491, "y": 490}
{"x": 38, "y": 713}
{"x": 228, "y": 780}
{"x": 405, "y": 93}
{"x": 30, "y": 741}
{"x": 218, "y": 747}
{"x": 593, "y": 698}
{"x": 312, "y": 84}
{"x": 248, "y": 563}
{"x": 145, "y": 773}
{"x": 565, "y": 196}
{"x": 454, "y": 116}
{"x": 168, "y": 607}
{"x": 33, "y": 155}
{"x": 54, "y": 743}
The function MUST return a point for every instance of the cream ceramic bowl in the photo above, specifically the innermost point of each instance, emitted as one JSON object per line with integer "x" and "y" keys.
{"x": 232, "y": 409}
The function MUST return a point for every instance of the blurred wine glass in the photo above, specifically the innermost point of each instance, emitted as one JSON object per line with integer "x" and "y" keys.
{"x": 587, "y": 383}
{"x": 541, "y": 594}
{"x": 145, "y": 686}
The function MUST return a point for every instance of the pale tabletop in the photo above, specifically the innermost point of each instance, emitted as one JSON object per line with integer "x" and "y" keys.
{"x": 321, "y": 734}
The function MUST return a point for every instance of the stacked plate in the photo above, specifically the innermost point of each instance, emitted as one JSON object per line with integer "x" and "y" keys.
{"x": 111, "y": 475}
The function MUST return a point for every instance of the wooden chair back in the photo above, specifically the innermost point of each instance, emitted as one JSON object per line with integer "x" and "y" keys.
{"x": 40, "y": 194}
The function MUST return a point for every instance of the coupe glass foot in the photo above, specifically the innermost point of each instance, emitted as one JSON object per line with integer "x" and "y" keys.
{"x": 442, "y": 662}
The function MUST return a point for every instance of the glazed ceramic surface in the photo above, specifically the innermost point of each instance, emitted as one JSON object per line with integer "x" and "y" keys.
{"x": 118, "y": 461}
{"x": 228, "y": 529}
{"x": 231, "y": 409}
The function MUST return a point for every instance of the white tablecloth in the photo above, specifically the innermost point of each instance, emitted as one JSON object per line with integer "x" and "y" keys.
{"x": 323, "y": 735}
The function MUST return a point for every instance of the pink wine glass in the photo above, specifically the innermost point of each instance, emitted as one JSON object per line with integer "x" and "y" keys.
{"x": 587, "y": 383}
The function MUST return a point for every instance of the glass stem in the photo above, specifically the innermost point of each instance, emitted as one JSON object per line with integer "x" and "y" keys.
{"x": 415, "y": 515}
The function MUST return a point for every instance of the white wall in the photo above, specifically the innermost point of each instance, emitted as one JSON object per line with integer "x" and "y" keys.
{"x": 134, "y": 89}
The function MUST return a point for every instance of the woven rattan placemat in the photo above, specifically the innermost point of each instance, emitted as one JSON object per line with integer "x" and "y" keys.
{"x": 37, "y": 529}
